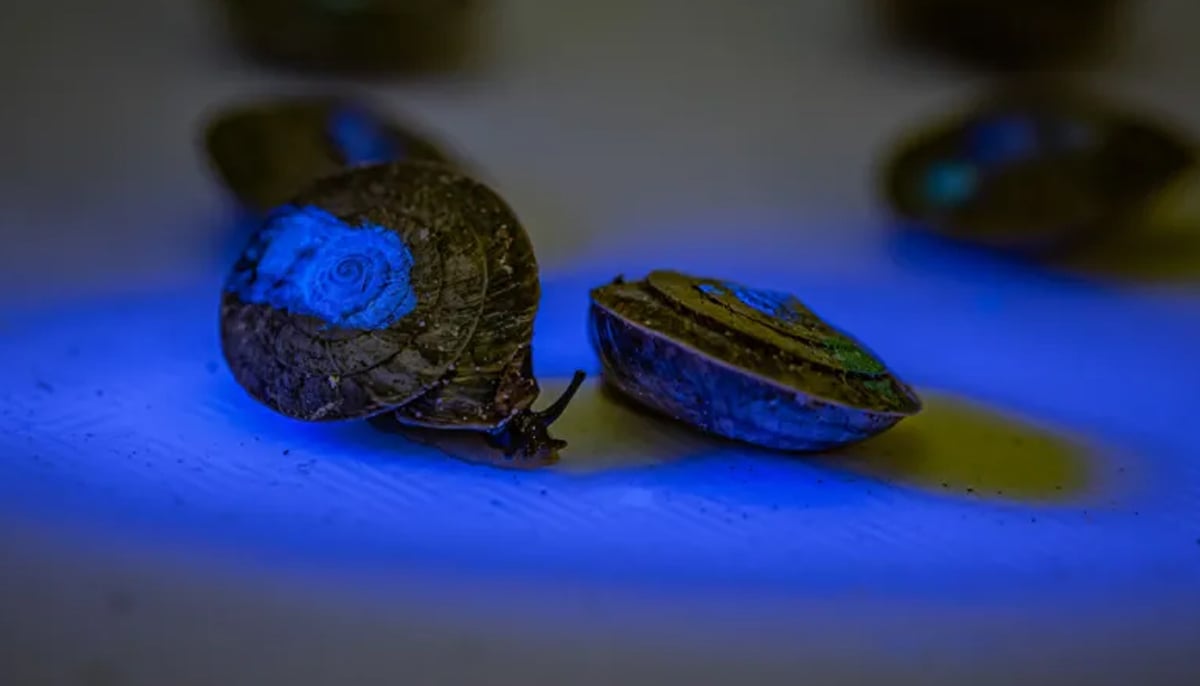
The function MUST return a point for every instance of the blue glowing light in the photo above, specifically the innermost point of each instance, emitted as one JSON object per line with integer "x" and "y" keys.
{"x": 949, "y": 184}
{"x": 361, "y": 139}
{"x": 311, "y": 263}
{"x": 1003, "y": 139}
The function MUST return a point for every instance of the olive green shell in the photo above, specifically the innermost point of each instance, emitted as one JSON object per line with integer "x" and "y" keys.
{"x": 268, "y": 150}
{"x": 1089, "y": 167}
{"x": 744, "y": 363}
{"x": 459, "y": 359}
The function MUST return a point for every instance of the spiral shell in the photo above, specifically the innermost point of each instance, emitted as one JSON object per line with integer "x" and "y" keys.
{"x": 747, "y": 364}
{"x": 367, "y": 292}
{"x": 1032, "y": 171}
{"x": 267, "y": 151}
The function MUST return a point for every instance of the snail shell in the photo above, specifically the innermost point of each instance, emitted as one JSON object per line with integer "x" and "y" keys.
{"x": 1033, "y": 171}
{"x": 403, "y": 287}
{"x": 747, "y": 364}
{"x": 267, "y": 151}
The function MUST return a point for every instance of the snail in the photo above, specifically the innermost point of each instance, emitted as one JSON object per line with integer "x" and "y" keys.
{"x": 747, "y": 364}
{"x": 402, "y": 289}
{"x": 1033, "y": 171}
{"x": 266, "y": 151}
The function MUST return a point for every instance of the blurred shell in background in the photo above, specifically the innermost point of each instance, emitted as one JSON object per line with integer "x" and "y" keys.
{"x": 1034, "y": 170}
{"x": 267, "y": 150}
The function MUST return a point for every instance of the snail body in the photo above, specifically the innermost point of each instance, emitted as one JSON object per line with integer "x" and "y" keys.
{"x": 267, "y": 151}
{"x": 1033, "y": 171}
{"x": 746, "y": 364}
{"x": 403, "y": 289}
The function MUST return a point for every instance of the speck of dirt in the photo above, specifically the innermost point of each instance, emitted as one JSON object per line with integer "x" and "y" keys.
{"x": 496, "y": 502}
{"x": 99, "y": 393}
{"x": 970, "y": 490}
{"x": 542, "y": 491}
{"x": 287, "y": 451}
{"x": 44, "y": 386}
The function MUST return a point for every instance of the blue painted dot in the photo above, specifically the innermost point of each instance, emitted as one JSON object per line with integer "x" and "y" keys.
{"x": 784, "y": 307}
{"x": 950, "y": 183}
{"x": 774, "y": 304}
{"x": 1003, "y": 139}
{"x": 314, "y": 264}
{"x": 361, "y": 139}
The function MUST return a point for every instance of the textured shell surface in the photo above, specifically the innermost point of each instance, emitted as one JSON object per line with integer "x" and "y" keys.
{"x": 747, "y": 364}
{"x": 266, "y": 151}
{"x": 1033, "y": 170}
{"x": 393, "y": 286}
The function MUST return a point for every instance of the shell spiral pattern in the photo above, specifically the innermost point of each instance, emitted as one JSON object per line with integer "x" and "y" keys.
{"x": 311, "y": 263}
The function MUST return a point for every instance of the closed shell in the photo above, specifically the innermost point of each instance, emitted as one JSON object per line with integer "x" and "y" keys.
{"x": 266, "y": 151}
{"x": 401, "y": 286}
{"x": 747, "y": 364}
{"x": 1033, "y": 171}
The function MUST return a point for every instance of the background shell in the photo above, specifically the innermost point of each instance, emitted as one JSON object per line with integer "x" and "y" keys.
{"x": 1033, "y": 170}
{"x": 287, "y": 348}
{"x": 267, "y": 151}
{"x": 748, "y": 364}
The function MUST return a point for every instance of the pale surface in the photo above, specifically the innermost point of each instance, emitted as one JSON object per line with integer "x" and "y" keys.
{"x": 157, "y": 527}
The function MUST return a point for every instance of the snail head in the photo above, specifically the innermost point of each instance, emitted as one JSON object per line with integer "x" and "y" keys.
{"x": 525, "y": 439}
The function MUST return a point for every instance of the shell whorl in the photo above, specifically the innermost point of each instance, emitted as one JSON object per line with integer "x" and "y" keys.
{"x": 311, "y": 263}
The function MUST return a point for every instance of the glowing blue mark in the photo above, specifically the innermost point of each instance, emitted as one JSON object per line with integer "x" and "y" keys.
{"x": 1002, "y": 140}
{"x": 361, "y": 139}
{"x": 785, "y": 308}
{"x": 771, "y": 303}
{"x": 311, "y": 263}
{"x": 950, "y": 183}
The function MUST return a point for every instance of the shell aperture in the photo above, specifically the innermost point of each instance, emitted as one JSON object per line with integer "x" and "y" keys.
{"x": 311, "y": 263}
